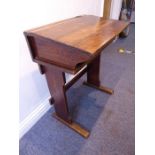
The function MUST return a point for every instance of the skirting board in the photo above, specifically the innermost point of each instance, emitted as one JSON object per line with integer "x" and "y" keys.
{"x": 33, "y": 117}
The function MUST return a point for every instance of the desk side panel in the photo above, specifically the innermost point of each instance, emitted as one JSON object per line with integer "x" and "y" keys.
{"x": 56, "y": 53}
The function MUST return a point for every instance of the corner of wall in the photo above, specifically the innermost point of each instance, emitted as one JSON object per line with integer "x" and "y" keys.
{"x": 33, "y": 117}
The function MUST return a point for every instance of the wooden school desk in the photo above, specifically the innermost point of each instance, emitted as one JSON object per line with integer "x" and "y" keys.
{"x": 74, "y": 46}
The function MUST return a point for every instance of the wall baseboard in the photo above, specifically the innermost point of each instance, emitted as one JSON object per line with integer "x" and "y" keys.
{"x": 33, "y": 117}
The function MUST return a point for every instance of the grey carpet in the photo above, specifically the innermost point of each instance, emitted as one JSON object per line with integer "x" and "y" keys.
{"x": 109, "y": 117}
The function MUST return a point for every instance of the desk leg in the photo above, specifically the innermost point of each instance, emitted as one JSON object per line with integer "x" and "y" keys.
{"x": 56, "y": 83}
{"x": 93, "y": 79}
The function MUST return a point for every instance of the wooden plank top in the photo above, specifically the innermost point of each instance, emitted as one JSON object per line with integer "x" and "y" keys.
{"x": 88, "y": 33}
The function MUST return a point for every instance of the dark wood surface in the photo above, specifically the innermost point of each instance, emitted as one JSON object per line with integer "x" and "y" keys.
{"x": 56, "y": 85}
{"x": 72, "y": 42}
{"x": 88, "y": 33}
{"x": 68, "y": 46}
{"x": 93, "y": 72}
{"x": 74, "y": 126}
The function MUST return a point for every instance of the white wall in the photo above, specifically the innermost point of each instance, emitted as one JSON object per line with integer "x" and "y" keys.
{"x": 115, "y": 9}
{"x": 33, "y": 13}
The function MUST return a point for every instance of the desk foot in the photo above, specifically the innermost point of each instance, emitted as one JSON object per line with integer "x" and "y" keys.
{"x": 101, "y": 88}
{"x": 74, "y": 126}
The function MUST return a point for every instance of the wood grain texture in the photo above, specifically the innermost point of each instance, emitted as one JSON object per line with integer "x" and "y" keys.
{"x": 72, "y": 42}
{"x": 88, "y": 32}
{"x": 74, "y": 126}
{"x": 56, "y": 84}
{"x": 101, "y": 88}
{"x": 93, "y": 73}
{"x": 68, "y": 46}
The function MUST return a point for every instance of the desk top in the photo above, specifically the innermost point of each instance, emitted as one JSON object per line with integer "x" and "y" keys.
{"x": 88, "y": 32}
{"x": 83, "y": 35}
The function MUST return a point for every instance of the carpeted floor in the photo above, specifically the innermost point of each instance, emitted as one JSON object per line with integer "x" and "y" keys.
{"x": 109, "y": 117}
